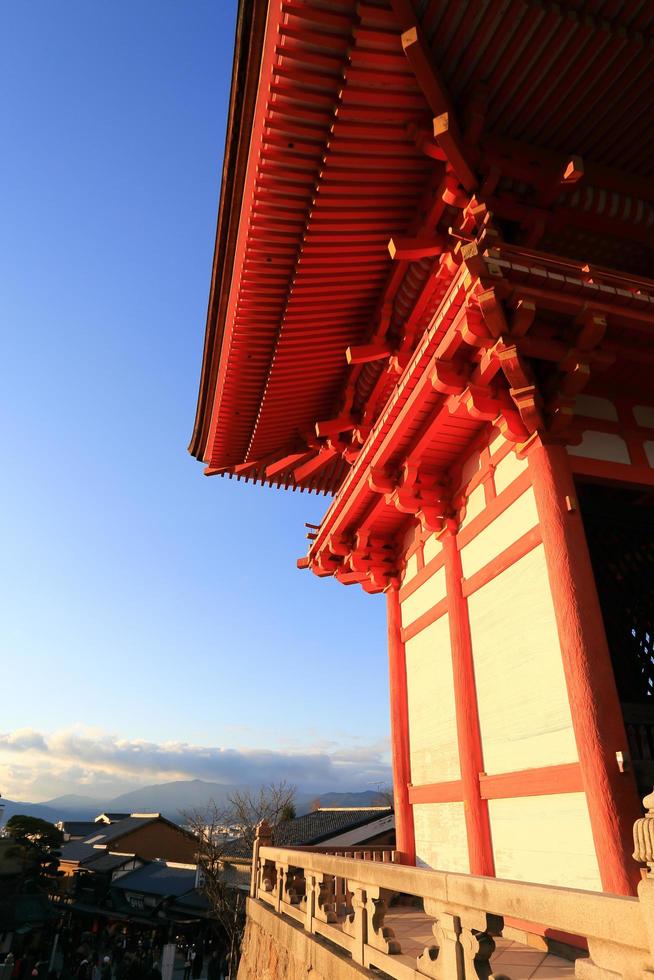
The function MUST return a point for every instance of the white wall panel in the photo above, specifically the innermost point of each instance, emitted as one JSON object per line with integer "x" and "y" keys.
{"x": 432, "y": 547}
{"x": 432, "y": 719}
{"x": 515, "y": 521}
{"x": 441, "y": 842}
{"x": 424, "y": 597}
{"x": 411, "y": 568}
{"x": 602, "y": 445}
{"x": 508, "y": 470}
{"x": 524, "y": 710}
{"x": 596, "y": 408}
{"x": 545, "y": 839}
{"x": 644, "y": 415}
{"x": 475, "y": 503}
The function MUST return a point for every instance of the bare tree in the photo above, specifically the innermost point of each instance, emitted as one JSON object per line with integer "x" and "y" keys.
{"x": 216, "y": 882}
{"x": 246, "y": 809}
{"x": 386, "y": 797}
{"x": 274, "y": 803}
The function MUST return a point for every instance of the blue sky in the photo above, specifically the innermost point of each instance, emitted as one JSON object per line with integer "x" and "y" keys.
{"x": 142, "y": 603}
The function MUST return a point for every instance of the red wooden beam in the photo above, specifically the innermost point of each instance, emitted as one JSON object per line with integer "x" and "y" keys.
{"x": 421, "y": 60}
{"x": 613, "y": 804}
{"x": 284, "y": 463}
{"x": 410, "y": 249}
{"x": 447, "y": 792}
{"x": 365, "y": 353}
{"x": 448, "y": 139}
{"x": 314, "y": 464}
{"x": 480, "y": 847}
{"x": 404, "y": 828}
{"x": 532, "y": 782}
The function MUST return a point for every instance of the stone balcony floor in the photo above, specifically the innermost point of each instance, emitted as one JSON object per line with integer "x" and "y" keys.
{"x": 519, "y": 962}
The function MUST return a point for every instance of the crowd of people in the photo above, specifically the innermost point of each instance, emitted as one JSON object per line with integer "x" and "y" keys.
{"x": 114, "y": 957}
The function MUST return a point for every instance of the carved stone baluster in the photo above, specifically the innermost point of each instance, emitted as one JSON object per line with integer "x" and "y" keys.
{"x": 477, "y": 943}
{"x": 309, "y": 900}
{"x": 325, "y": 909}
{"x": 608, "y": 958}
{"x": 644, "y": 854}
{"x": 292, "y": 886}
{"x": 443, "y": 960}
{"x": 380, "y": 936}
{"x": 356, "y": 922}
{"x": 262, "y": 838}
{"x": 267, "y": 876}
{"x": 282, "y": 873}
{"x": 340, "y": 900}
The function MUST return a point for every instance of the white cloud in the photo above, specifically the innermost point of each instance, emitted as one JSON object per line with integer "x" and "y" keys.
{"x": 34, "y": 765}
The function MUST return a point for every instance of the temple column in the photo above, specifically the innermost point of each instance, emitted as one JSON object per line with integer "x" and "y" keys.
{"x": 599, "y": 730}
{"x": 480, "y": 847}
{"x": 404, "y": 831}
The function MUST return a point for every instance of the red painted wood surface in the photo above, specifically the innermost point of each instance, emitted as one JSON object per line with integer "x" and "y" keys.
{"x": 480, "y": 848}
{"x": 596, "y": 714}
{"x": 447, "y": 792}
{"x": 546, "y": 781}
{"x": 404, "y": 832}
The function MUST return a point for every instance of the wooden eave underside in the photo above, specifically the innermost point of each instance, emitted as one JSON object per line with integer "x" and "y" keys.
{"x": 337, "y": 169}
{"x": 434, "y": 430}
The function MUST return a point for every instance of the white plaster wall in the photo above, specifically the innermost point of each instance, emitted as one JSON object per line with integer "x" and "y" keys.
{"x": 524, "y": 711}
{"x": 602, "y": 445}
{"x": 595, "y": 407}
{"x": 545, "y": 839}
{"x": 644, "y": 415}
{"x": 475, "y": 503}
{"x": 432, "y": 547}
{"x": 432, "y": 719}
{"x": 424, "y": 597}
{"x": 515, "y": 521}
{"x": 508, "y": 470}
{"x": 441, "y": 841}
{"x": 411, "y": 568}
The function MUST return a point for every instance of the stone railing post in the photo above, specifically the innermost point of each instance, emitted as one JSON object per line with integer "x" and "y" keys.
{"x": 356, "y": 921}
{"x": 262, "y": 838}
{"x": 644, "y": 854}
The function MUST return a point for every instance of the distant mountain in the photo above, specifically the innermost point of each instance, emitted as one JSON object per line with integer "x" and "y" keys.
{"x": 69, "y": 807}
{"x": 73, "y": 802}
{"x": 42, "y": 810}
{"x": 172, "y": 800}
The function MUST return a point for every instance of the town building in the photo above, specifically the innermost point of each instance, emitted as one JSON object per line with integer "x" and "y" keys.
{"x": 331, "y": 829}
{"x": 144, "y": 835}
{"x": 431, "y": 301}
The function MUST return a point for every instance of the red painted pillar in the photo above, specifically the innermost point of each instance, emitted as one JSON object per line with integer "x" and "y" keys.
{"x": 480, "y": 846}
{"x": 404, "y": 832}
{"x": 613, "y": 804}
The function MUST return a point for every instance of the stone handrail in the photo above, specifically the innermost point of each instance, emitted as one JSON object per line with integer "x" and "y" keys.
{"x": 345, "y": 900}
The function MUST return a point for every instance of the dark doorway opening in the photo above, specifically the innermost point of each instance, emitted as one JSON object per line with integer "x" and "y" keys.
{"x": 619, "y": 525}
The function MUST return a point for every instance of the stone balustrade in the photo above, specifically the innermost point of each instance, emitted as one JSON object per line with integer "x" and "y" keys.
{"x": 345, "y": 900}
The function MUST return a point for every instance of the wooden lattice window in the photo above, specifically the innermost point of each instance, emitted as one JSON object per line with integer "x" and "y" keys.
{"x": 620, "y": 532}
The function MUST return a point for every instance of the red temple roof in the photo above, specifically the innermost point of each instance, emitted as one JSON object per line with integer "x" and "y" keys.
{"x": 543, "y": 119}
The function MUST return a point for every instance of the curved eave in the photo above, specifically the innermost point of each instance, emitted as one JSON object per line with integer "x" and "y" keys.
{"x": 248, "y": 46}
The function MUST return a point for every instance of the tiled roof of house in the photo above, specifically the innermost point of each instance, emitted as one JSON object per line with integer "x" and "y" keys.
{"x": 78, "y": 828}
{"x": 112, "y": 831}
{"x": 103, "y": 834}
{"x": 102, "y": 862}
{"x": 112, "y": 816}
{"x": 311, "y": 828}
{"x": 158, "y": 878}
{"x": 77, "y": 850}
